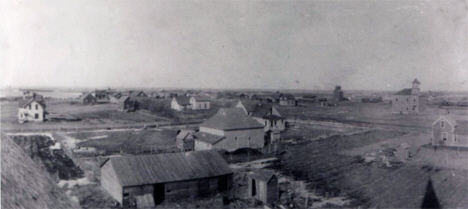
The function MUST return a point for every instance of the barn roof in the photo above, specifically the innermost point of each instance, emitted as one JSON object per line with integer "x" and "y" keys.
{"x": 183, "y": 100}
{"x": 169, "y": 167}
{"x": 264, "y": 175}
{"x": 404, "y": 92}
{"x": 208, "y": 138}
{"x": 230, "y": 119}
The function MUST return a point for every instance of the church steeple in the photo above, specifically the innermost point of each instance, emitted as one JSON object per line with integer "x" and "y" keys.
{"x": 415, "y": 89}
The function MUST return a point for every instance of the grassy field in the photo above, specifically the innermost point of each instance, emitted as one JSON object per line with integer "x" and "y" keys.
{"x": 130, "y": 142}
{"x": 374, "y": 113}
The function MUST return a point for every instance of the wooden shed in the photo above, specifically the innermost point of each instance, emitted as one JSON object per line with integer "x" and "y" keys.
{"x": 166, "y": 177}
{"x": 263, "y": 186}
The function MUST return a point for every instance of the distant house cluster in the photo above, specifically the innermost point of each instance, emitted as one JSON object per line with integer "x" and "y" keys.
{"x": 409, "y": 101}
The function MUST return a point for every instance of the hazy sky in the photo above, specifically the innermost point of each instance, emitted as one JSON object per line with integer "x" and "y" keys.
{"x": 381, "y": 45}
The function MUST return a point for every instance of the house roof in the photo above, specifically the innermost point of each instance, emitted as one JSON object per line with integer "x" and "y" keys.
{"x": 249, "y": 105}
{"x": 448, "y": 118}
{"x": 123, "y": 98}
{"x": 23, "y": 102}
{"x": 169, "y": 167}
{"x": 183, "y": 100}
{"x": 136, "y": 93}
{"x": 262, "y": 110}
{"x": 404, "y": 92}
{"x": 272, "y": 117}
{"x": 202, "y": 98}
{"x": 416, "y": 81}
{"x": 185, "y": 134}
{"x": 287, "y": 96}
{"x": 208, "y": 138}
{"x": 117, "y": 94}
{"x": 264, "y": 175}
{"x": 230, "y": 119}
{"x": 83, "y": 96}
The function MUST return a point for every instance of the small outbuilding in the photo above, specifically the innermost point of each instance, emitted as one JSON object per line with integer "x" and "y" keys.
{"x": 144, "y": 181}
{"x": 87, "y": 98}
{"x": 126, "y": 104}
{"x": 263, "y": 186}
{"x": 185, "y": 140}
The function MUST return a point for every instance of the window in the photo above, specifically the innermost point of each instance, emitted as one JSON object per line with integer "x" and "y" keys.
{"x": 36, "y": 116}
{"x": 396, "y": 99}
{"x": 235, "y": 138}
{"x": 206, "y": 105}
{"x": 29, "y": 106}
{"x": 414, "y": 99}
{"x": 442, "y": 124}
{"x": 407, "y": 99}
{"x": 249, "y": 138}
{"x": 37, "y": 107}
{"x": 444, "y": 136}
{"x": 265, "y": 123}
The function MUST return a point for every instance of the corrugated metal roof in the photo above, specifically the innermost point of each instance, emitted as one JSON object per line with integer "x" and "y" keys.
{"x": 169, "y": 167}
{"x": 230, "y": 119}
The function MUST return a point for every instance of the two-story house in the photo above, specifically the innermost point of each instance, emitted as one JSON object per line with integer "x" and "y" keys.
{"x": 33, "y": 110}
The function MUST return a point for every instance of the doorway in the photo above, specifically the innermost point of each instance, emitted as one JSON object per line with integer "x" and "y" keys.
{"x": 254, "y": 188}
{"x": 159, "y": 193}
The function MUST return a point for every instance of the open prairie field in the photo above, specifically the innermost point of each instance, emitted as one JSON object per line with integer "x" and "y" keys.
{"x": 128, "y": 141}
{"x": 378, "y": 114}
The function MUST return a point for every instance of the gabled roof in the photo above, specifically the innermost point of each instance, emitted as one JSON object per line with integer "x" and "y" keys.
{"x": 123, "y": 99}
{"x": 263, "y": 110}
{"x": 208, "y": 138}
{"x": 169, "y": 167}
{"x": 117, "y": 94}
{"x": 447, "y": 118}
{"x": 249, "y": 105}
{"x": 185, "y": 134}
{"x": 23, "y": 102}
{"x": 404, "y": 92}
{"x": 416, "y": 81}
{"x": 231, "y": 119}
{"x": 183, "y": 100}
{"x": 287, "y": 96}
{"x": 202, "y": 98}
{"x": 264, "y": 175}
{"x": 136, "y": 93}
{"x": 84, "y": 95}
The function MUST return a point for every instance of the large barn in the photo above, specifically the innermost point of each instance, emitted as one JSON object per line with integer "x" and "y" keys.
{"x": 146, "y": 180}
{"x": 229, "y": 129}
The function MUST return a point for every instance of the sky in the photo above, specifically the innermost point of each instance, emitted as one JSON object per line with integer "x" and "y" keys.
{"x": 360, "y": 45}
